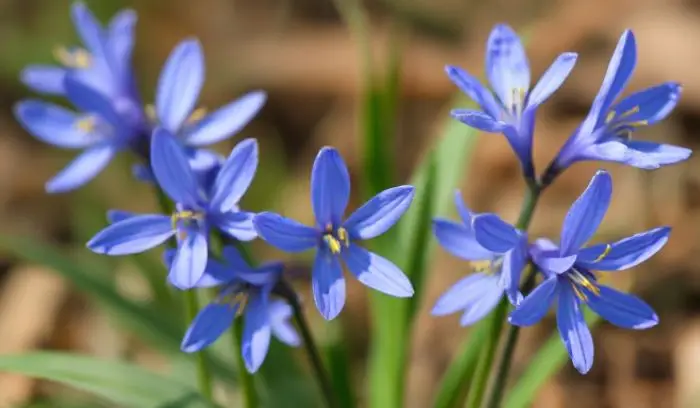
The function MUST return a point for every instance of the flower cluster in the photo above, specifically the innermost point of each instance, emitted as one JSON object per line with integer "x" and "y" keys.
{"x": 205, "y": 188}
{"x": 500, "y": 252}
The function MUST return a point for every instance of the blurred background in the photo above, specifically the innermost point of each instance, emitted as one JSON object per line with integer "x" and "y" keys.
{"x": 302, "y": 54}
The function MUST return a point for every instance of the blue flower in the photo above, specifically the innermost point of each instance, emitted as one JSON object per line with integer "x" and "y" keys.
{"x": 104, "y": 65}
{"x": 197, "y": 210}
{"x": 98, "y": 128}
{"x": 178, "y": 89}
{"x": 244, "y": 291}
{"x": 569, "y": 268}
{"x": 498, "y": 253}
{"x": 606, "y": 133}
{"x": 334, "y": 238}
{"x": 511, "y": 108}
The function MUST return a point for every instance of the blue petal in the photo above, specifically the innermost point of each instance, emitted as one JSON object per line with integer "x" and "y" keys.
{"x": 551, "y": 261}
{"x": 514, "y": 261}
{"x": 586, "y": 213}
{"x": 172, "y": 169}
{"x": 459, "y": 240}
{"x": 622, "y": 310}
{"x": 535, "y": 306}
{"x": 120, "y": 42}
{"x": 82, "y": 169}
{"x": 649, "y": 105}
{"x": 494, "y": 234}
{"x": 226, "y": 121}
{"x": 330, "y": 187}
{"x": 256, "y": 333}
{"x": 190, "y": 261}
{"x": 53, "y": 124}
{"x": 46, "y": 79}
{"x": 552, "y": 79}
{"x": 507, "y": 67}
{"x": 235, "y": 176}
{"x": 328, "y": 284}
{"x": 179, "y": 84}
{"x": 637, "y": 153}
{"x": 215, "y": 273}
{"x": 89, "y": 28}
{"x": 473, "y": 88}
{"x": 88, "y": 99}
{"x": 626, "y": 253}
{"x": 476, "y": 295}
{"x": 376, "y": 272}
{"x": 209, "y": 325}
{"x": 618, "y": 74}
{"x": 478, "y": 120}
{"x": 380, "y": 213}
{"x": 238, "y": 224}
{"x": 267, "y": 275}
{"x": 279, "y": 313}
{"x": 119, "y": 215}
{"x": 284, "y": 233}
{"x": 573, "y": 330}
{"x": 133, "y": 235}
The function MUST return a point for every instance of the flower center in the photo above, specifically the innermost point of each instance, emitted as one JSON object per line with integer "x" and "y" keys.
{"x": 73, "y": 58}
{"x": 235, "y": 296}
{"x": 336, "y": 240}
{"x": 185, "y": 220}
{"x": 516, "y": 103}
{"x": 620, "y": 125}
{"x": 583, "y": 280}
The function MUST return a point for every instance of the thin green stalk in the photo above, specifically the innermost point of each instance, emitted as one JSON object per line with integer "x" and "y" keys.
{"x": 313, "y": 353}
{"x": 247, "y": 385}
{"x": 203, "y": 375}
{"x": 498, "y": 316}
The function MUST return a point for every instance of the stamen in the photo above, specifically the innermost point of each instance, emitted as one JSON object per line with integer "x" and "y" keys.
{"x": 581, "y": 279}
{"x": 75, "y": 58}
{"x": 629, "y": 112}
{"x": 482, "y": 266}
{"x": 86, "y": 124}
{"x": 333, "y": 243}
{"x": 197, "y": 115}
{"x": 605, "y": 253}
{"x": 150, "y": 110}
{"x": 578, "y": 293}
{"x": 343, "y": 236}
{"x": 184, "y": 216}
{"x": 517, "y": 101}
{"x": 610, "y": 117}
{"x": 237, "y": 297}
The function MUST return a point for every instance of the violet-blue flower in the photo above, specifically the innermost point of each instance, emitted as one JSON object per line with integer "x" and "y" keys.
{"x": 498, "y": 262}
{"x": 198, "y": 209}
{"x": 335, "y": 238}
{"x": 511, "y": 108}
{"x": 606, "y": 133}
{"x": 245, "y": 291}
{"x": 570, "y": 279}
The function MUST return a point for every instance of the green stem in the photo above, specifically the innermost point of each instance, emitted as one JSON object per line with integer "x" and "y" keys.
{"x": 250, "y": 397}
{"x": 313, "y": 353}
{"x": 203, "y": 374}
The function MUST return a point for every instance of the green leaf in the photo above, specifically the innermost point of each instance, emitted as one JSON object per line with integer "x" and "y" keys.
{"x": 550, "y": 358}
{"x": 159, "y": 329}
{"x": 121, "y": 383}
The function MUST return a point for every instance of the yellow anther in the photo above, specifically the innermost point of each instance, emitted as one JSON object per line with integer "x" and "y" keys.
{"x": 150, "y": 110}
{"x": 238, "y": 299}
{"x": 586, "y": 283}
{"x": 578, "y": 293}
{"x": 184, "y": 215}
{"x": 605, "y": 253}
{"x": 75, "y": 58}
{"x": 343, "y": 236}
{"x": 197, "y": 115}
{"x": 610, "y": 117}
{"x": 333, "y": 243}
{"x": 86, "y": 124}
{"x": 629, "y": 112}
{"x": 638, "y": 123}
{"x": 482, "y": 266}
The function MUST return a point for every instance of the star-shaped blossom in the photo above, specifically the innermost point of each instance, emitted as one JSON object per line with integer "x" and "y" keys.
{"x": 570, "y": 279}
{"x": 498, "y": 253}
{"x": 335, "y": 239}
{"x": 198, "y": 209}
{"x": 244, "y": 291}
{"x": 511, "y": 108}
{"x": 606, "y": 133}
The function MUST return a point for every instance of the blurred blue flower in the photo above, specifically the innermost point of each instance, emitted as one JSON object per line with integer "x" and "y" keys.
{"x": 98, "y": 128}
{"x": 511, "y": 108}
{"x": 334, "y": 238}
{"x": 498, "y": 253}
{"x": 198, "y": 209}
{"x": 569, "y": 268}
{"x": 178, "y": 89}
{"x": 244, "y": 291}
{"x": 606, "y": 133}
